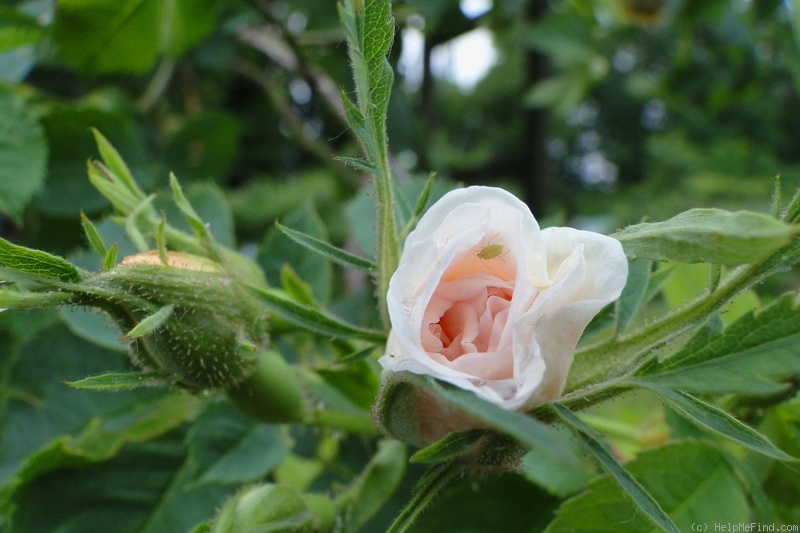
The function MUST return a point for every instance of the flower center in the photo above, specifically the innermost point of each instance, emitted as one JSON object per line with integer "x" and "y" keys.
{"x": 474, "y": 325}
{"x": 464, "y": 325}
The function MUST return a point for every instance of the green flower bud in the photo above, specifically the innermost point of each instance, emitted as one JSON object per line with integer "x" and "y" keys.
{"x": 189, "y": 318}
{"x": 268, "y": 507}
{"x": 413, "y": 415}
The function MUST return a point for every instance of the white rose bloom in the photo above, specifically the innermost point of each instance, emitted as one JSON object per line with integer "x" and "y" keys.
{"x": 487, "y": 301}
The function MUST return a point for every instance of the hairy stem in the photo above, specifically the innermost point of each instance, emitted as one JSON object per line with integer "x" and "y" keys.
{"x": 429, "y": 486}
{"x": 614, "y": 358}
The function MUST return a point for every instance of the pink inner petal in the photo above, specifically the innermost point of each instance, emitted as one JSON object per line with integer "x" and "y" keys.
{"x": 464, "y": 325}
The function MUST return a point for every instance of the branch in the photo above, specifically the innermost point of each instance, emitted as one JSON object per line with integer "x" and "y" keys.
{"x": 276, "y": 94}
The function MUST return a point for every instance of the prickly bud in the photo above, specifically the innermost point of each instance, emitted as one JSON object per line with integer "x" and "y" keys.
{"x": 413, "y": 415}
{"x": 188, "y": 318}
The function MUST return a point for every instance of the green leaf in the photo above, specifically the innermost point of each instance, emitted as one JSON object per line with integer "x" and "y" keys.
{"x": 18, "y": 29}
{"x": 143, "y": 489}
{"x": 132, "y": 228}
{"x": 117, "y": 381}
{"x": 634, "y": 490}
{"x": 358, "y": 164}
{"x": 23, "y": 155}
{"x": 376, "y": 484}
{"x": 335, "y": 254}
{"x": 115, "y": 163}
{"x": 692, "y": 480}
{"x": 792, "y": 214}
{"x": 194, "y": 220}
{"x": 257, "y": 204}
{"x": 312, "y": 319}
{"x": 419, "y": 208}
{"x": 46, "y": 408}
{"x": 356, "y": 379}
{"x": 161, "y": 243}
{"x": 750, "y": 356}
{"x": 688, "y": 282}
{"x": 103, "y": 438}
{"x": 295, "y": 287}
{"x": 110, "y": 260}
{"x": 228, "y": 447}
{"x": 128, "y": 35}
{"x": 424, "y": 195}
{"x": 359, "y": 125}
{"x": 93, "y": 236}
{"x": 563, "y": 479}
{"x": 204, "y": 147}
{"x": 633, "y": 294}
{"x": 707, "y": 235}
{"x": 279, "y": 248}
{"x": 93, "y": 325}
{"x": 70, "y": 141}
{"x": 716, "y": 420}
{"x": 506, "y": 503}
{"x": 369, "y": 26}
{"x": 37, "y": 262}
{"x": 448, "y": 447}
{"x": 752, "y": 485}
{"x": 376, "y": 41}
{"x": 111, "y": 188}
{"x": 210, "y": 203}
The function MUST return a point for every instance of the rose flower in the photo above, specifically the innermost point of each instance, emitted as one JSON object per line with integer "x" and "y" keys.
{"x": 485, "y": 300}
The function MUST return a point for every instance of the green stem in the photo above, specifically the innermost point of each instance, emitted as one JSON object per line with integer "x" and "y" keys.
{"x": 613, "y": 358}
{"x": 434, "y": 480}
{"x": 388, "y": 246}
{"x": 158, "y": 84}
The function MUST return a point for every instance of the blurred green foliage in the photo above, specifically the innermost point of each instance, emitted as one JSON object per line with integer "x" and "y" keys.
{"x": 596, "y": 113}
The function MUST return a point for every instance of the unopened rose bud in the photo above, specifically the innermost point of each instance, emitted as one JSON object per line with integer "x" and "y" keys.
{"x": 415, "y": 416}
{"x": 187, "y": 318}
{"x": 275, "y": 508}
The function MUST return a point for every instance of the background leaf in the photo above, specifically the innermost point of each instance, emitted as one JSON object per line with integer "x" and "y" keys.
{"x": 488, "y": 503}
{"x": 666, "y": 472}
{"x": 377, "y": 483}
{"x": 228, "y": 447}
{"x": 717, "y": 421}
{"x": 278, "y": 249}
{"x": 23, "y": 155}
{"x": 562, "y": 479}
{"x": 128, "y": 35}
{"x": 42, "y": 407}
{"x": 71, "y": 143}
{"x": 633, "y": 294}
{"x": 631, "y": 486}
{"x": 143, "y": 489}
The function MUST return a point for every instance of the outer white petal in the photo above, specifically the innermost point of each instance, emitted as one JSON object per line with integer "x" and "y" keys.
{"x": 587, "y": 271}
